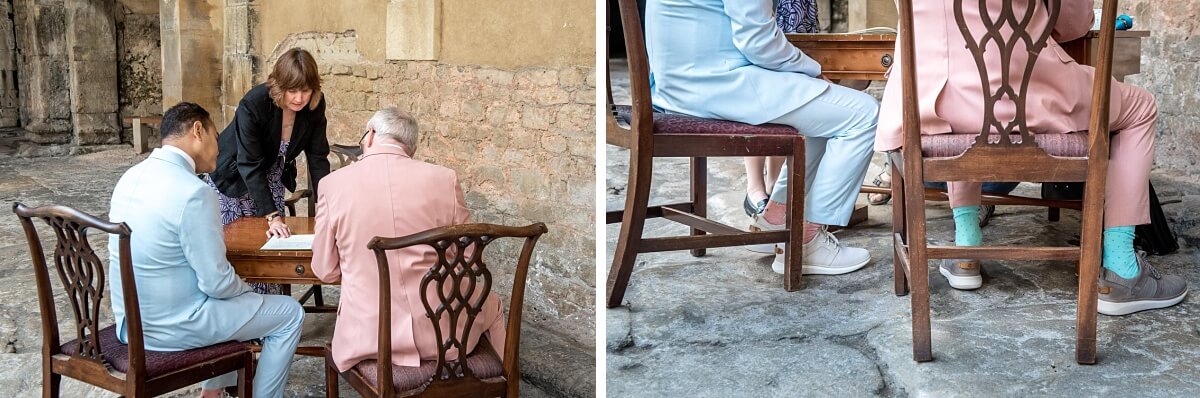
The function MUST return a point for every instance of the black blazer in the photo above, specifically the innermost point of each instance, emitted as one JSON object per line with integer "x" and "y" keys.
{"x": 250, "y": 144}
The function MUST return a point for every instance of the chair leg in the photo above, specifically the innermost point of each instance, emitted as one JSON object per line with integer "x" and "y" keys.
{"x": 1089, "y": 273}
{"x": 637, "y": 197}
{"x": 1053, "y": 214}
{"x": 918, "y": 266}
{"x": 899, "y": 274}
{"x": 331, "y": 380}
{"x": 699, "y": 166}
{"x": 246, "y": 376}
{"x": 793, "y": 258}
{"x": 317, "y": 298}
{"x": 50, "y": 383}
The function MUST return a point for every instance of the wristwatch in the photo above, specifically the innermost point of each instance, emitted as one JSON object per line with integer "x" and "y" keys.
{"x": 272, "y": 216}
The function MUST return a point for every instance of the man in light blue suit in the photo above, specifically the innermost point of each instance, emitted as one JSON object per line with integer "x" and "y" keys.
{"x": 189, "y": 295}
{"x": 727, "y": 59}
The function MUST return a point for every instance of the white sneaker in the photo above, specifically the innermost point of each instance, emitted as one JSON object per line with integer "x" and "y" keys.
{"x": 824, "y": 255}
{"x": 761, "y": 224}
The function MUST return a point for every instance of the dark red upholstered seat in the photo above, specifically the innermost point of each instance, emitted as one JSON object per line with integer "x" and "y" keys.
{"x": 483, "y": 363}
{"x": 670, "y": 123}
{"x": 157, "y": 363}
{"x": 947, "y": 145}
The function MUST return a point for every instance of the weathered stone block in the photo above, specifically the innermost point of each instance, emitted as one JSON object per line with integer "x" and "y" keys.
{"x": 94, "y": 86}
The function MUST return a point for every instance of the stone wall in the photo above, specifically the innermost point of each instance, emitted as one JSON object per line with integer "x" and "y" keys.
{"x": 1170, "y": 70}
{"x": 521, "y": 140}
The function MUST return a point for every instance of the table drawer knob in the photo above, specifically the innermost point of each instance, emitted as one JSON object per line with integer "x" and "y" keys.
{"x": 886, "y": 60}
{"x": 299, "y": 269}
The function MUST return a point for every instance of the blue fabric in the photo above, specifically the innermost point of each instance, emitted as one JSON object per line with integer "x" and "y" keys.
{"x": 278, "y": 323}
{"x": 188, "y": 293}
{"x": 726, "y": 60}
{"x": 966, "y": 226}
{"x": 1119, "y": 256}
{"x": 840, "y": 126}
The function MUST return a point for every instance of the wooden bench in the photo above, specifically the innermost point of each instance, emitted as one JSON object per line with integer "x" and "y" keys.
{"x": 140, "y": 135}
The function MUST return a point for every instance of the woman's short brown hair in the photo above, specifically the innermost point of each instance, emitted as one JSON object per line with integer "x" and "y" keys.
{"x": 295, "y": 70}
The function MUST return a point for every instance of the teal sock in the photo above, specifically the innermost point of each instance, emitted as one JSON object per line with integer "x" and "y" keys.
{"x": 1118, "y": 251}
{"x": 966, "y": 226}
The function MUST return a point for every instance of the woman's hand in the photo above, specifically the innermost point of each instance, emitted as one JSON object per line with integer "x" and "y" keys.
{"x": 278, "y": 228}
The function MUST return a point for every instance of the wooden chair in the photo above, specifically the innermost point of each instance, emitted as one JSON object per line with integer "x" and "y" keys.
{"x": 96, "y": 356}
{"x": 345, "y": 154}
{"x": 1015, "y": 155}
{"x": 648, "y": 135}
{"x": 457, "y": 286}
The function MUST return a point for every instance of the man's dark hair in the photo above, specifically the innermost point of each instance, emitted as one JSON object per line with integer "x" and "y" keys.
{"x": 180, "y": 118}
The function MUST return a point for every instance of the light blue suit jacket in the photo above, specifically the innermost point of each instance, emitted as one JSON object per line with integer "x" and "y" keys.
{"x": 187, "y": 291}
{"x": 725, "y": 60}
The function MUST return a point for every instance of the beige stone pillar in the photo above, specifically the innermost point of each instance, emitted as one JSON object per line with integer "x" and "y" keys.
{"x": 414, "y": 29}
{"x": 8, "y": 69}
{"x": 241, "y": 60}
{"x": 92, "y": 57}
{"x": 45, "y": 101}
{"x": 192, "y": 43}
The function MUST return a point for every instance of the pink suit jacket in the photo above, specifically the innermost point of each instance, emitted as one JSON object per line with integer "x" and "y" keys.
{"x": 948, "y": 86}
{"x": 387, "y": 193}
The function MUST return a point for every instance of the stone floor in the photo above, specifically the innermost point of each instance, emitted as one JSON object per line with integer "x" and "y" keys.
{"x": 551, "y": 365}
{"x": 722, "y": 325}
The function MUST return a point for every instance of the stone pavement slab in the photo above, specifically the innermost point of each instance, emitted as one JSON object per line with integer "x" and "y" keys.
{"x": 722, "y": 325}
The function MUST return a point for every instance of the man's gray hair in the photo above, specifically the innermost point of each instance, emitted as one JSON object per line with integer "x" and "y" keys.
{"x": 396, "y": 124}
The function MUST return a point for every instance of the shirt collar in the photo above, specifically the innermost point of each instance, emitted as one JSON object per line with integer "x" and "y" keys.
{"x": 186, "y": 157}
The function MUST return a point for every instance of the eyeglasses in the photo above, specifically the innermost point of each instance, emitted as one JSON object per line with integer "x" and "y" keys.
{"x": 364, "y": 136}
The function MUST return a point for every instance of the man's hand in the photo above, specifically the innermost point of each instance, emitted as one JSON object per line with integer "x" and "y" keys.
{"x": 278, "y": 228}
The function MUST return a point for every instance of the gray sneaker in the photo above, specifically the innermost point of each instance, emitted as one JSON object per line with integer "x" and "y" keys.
{"x": 962, "y": 274}
{"x": 1147, "y": 291}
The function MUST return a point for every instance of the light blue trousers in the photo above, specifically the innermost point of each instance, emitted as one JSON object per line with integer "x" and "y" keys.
{"x": 840, "y": 126}
{"x": 278, "y": 323}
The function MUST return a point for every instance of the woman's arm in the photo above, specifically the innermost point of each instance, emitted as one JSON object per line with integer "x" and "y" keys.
{"x": 317, "y": 151}
{"x": 759, "y": 39}
{"x": 252, "y": 130}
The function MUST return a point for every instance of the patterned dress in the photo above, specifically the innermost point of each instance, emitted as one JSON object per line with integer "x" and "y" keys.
{"x": 235, "y": 208}
{"x": 797, "y": 16}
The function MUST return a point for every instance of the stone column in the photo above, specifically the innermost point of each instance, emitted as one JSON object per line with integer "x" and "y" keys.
{"x": 92, "y": 55}
{"x": 192, "y": 43}
{"x": 242, "y": 46}
{"x": 8, "y": 68}
{"x": 45, "y": 102}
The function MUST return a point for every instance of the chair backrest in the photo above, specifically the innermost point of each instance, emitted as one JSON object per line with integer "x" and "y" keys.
{"x": 641, "y": 122}
{"x": 83, "y": 278}
{"x": 462, "y": 282}
{"x": 345, "y": 154}
{"x": 1008, "y": 34}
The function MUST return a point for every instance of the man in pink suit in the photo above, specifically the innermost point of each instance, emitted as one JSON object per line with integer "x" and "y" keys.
{"x": 388, "y": 193}
{"x": 950, "y": 100}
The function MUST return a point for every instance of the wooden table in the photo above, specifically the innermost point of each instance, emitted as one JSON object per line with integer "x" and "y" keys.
{"x": 244, "y": 237}
{"x": 868, "y": 56}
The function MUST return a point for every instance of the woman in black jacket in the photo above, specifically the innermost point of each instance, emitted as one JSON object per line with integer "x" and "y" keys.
{"x": 274, "y": 122}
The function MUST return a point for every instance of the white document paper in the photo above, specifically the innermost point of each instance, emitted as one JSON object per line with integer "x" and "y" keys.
{"x": 295, "y": 242}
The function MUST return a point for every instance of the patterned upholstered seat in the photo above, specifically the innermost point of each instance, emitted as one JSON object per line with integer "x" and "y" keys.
{"x": 669, "y": 123}
{"x": 947, "y": 145}
{"x": 157, "y": 363}
{"x": 483, "y": 363}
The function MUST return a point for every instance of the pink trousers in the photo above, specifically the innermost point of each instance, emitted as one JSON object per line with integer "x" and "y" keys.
{"x": 1127, "y": 190}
